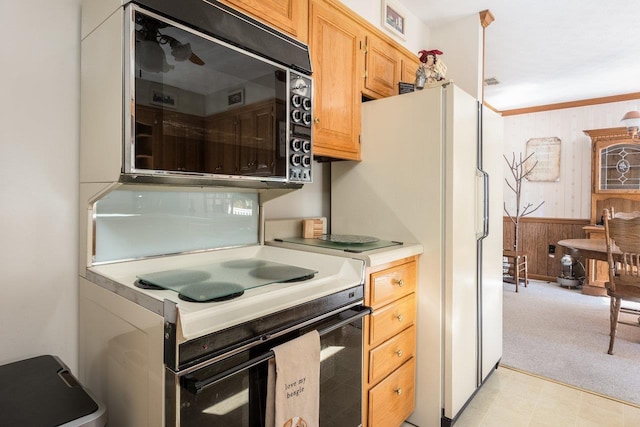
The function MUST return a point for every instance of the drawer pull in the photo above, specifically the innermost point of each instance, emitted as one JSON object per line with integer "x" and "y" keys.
{"x": 399, "y": 353}
{"x": 399, "y": 282}
{"x": 400, "y": 317}
{"x": 397, "y": 391}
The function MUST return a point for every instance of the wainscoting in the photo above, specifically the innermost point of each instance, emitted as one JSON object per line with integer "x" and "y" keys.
{"x": 536, "y": 237}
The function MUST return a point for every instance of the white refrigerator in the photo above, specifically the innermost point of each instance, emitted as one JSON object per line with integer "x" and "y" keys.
{"x": 431, "y": 173}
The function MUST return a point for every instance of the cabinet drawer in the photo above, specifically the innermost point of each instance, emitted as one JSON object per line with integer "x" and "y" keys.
{"x": 391, "y": 319}
{"x": 388, "y": 356}
{"x": 391, "y": 401}
{"x": 393, "y": 283}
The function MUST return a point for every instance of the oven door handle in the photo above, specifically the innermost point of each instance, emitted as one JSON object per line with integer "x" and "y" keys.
{"x": 197, "y": 386}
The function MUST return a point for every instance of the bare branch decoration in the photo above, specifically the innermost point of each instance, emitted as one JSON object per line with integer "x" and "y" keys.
{"x": 519, "y": 172}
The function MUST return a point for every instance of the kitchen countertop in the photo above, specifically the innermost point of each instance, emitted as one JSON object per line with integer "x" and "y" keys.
{"x": 275, "y": 231}
{"x": 371, "y": 258}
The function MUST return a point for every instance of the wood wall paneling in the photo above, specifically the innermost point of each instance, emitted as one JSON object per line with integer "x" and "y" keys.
{"x": 536, "y": 234}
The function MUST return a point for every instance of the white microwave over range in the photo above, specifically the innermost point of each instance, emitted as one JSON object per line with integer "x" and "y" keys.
{"x": 179, "y": 91}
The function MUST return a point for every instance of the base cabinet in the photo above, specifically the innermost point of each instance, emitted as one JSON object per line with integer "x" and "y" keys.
{"x": 392, "y": 400}
{"x": 390, "y": 343}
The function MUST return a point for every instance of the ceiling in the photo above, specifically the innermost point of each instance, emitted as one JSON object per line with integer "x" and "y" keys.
{"x": 550, "y": 51}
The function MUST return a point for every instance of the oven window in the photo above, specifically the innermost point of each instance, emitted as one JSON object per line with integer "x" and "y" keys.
{"x": 204, "y": 107}
{"x": 239, "y": 399}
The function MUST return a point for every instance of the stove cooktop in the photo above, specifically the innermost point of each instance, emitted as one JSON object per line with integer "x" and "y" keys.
{"x": 222, "y": 280}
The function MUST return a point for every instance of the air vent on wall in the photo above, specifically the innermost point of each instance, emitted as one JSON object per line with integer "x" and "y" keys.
{"x": 491, "y": 81}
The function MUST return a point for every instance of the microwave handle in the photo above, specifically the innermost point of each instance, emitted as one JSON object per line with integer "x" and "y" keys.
{"x": 195, "y": 387}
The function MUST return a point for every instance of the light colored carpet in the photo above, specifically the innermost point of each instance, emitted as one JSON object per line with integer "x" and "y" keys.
{"x": 563, "y": 335}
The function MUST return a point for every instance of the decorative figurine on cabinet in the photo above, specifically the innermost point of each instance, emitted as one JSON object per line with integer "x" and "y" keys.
{"x": 431, "y": 70}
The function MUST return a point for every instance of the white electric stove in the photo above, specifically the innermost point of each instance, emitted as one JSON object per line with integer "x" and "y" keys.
{"x": 332, "y": 274}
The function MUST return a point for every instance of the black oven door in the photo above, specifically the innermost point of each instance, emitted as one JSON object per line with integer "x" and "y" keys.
{"x": 232, "y": 392}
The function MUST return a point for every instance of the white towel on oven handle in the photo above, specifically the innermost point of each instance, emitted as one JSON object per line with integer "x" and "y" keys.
{"x": 293, "y": 384}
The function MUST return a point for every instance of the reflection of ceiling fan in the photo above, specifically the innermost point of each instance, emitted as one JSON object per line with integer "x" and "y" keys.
{"x": 150, "y": 55}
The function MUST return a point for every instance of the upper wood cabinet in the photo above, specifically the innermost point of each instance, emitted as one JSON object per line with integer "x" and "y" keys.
{"x": 408, "y": 68}
{"x": 351, "y": 59}
{"x": 382, "y": 67}
{"x": 289, "y": 16}
{"x": 337, "y": 55}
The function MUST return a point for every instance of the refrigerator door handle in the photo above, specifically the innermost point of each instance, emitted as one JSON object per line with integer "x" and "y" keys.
{"x": 485, "y": 204}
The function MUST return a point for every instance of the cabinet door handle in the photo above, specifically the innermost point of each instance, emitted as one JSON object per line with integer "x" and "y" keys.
{"x": 399, "y": 282}
{"x": 397, "y": 390}
{"x": 400, "y": 317}
{"x": 399, "y": 353}
{"x": 316, "y": 120}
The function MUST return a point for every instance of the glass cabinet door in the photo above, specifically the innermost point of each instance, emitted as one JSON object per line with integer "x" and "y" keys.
{"x": 620, "y": 167}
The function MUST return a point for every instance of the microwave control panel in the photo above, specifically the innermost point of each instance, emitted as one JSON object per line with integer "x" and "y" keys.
{"x": 300, "y": 150}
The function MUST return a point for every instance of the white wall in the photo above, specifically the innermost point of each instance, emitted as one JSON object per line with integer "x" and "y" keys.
{"x": 570, "y": 197}
{"x": 461, "y": 43}
{"x": 39, "y": 134}
{"x": 312, "y": 200}
{"x": 417, "y": 33}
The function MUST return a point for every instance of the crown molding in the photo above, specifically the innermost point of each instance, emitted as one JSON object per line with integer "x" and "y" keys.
{"x": 572, "y": 104}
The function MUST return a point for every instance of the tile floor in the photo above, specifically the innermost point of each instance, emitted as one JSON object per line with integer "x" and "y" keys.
{"x": 517, "y": 399}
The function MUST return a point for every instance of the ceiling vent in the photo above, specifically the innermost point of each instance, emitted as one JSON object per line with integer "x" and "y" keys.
{"x": 491, "y": 81}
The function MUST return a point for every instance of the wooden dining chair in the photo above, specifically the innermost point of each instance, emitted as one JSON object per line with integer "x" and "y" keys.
{"x": 514, "y": 267}
{"x": 622, "y": 232}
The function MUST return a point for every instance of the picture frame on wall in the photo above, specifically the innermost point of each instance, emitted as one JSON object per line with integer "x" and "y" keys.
{"x": 394, "y": 19}
{"x": 235, "y": 97}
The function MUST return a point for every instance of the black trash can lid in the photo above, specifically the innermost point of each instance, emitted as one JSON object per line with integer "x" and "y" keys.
{"x": 41, "y": 392}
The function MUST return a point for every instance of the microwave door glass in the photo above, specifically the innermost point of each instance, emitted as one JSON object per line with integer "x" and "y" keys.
{"x": 205, "y": 107}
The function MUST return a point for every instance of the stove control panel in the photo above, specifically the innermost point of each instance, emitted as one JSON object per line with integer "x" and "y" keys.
{"x": 300, "y": 150}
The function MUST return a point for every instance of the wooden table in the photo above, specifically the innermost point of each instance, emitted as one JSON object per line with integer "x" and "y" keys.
{"x": 589, "y": 249}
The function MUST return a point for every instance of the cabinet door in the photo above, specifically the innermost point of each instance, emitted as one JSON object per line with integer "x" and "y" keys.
{"x": 289, "y": 16}
{"x": 388, "y": 356}
{"x": 392, "y": 401}
{"x": 336, "y": 43}
{"x": 408, "y": 69}
{"x": 382, "y": 68}
{"x": 618, "y": 167}
{"x": 392, "y": 284}
{"x": 392, "y": 319}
